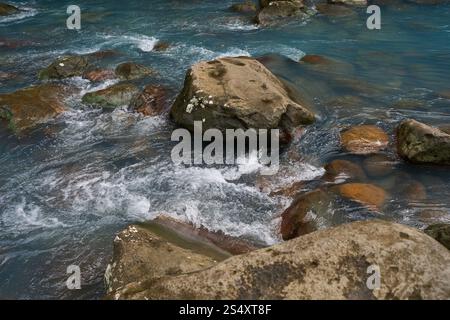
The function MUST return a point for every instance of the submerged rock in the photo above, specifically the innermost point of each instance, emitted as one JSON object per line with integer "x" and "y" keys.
{"x": 298, "y": 218}
{"x": 367, "y": 194}
{"x": 246, "y": 7}
{"x": 364, "y": 139}
{"x": 233, "y": 93}
{"x": 349, "y": 2}
{"x": 28, "y": 107}
{"x": 440, "y": 232}
{"x": 151, "y": 101}
{"x": 328, "y": 264}
{"x": 420, "y": 143}
{"x": 117, "y": 95}
{"x": 131, "y": 71}
{"x": 7, "y": 9}
{"x": 276, "y": 11}
{"x": 65, "y": 67}
{"x": 335, "y": 10}
{"x": 344, "y": 169}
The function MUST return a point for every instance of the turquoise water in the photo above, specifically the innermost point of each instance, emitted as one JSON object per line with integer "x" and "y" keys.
{"x": 67, "y": 188}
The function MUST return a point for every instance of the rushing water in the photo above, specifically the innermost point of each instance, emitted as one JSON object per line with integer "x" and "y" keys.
{"x": 67, "y": 189}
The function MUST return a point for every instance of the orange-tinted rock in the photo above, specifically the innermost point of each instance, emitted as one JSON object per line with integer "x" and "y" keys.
{"x": 314, "y": 59}
{"x": 378, "y": 165}
{"x": 151, "y": 101}
{"x": 297, "y": 219}
{"x": 413, "y": 191}
{"x": 344, "y": 169}
{"x": 99, "y": 75}
{"x": 364, "y": 139}
{"x": 366, "y": 194}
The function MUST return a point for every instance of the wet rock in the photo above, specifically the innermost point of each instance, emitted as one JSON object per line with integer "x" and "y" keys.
{"x": 445, "y": 128}
{"x": 366, "y": 194}
{"x": 140, "y": 254}
{"x": 288, "y": 191}
{"x": 327, "y": 264}
{"x": 298, "y": 218}
{"x": 440, "y": 232}
{"x": 7, "y": 9}
{"x": 151, "y": 101}
{"x": 430, "y": 215}
{"x": 412, "y": 191}
{"x": 99, "y": 75}
{"x": 229, "y": 244}
{"x": 161, "y": 46}
{"x": 379, "y": 165}
{"x": 102, "y": 54}
{"x": 334, "y": 10}
{"x": 28, "y": 107}
{"x": 344, "y": 169}
{"x": 232, "y": 93}
{"x": 131, "y": 71}
{"x": 65, "y": 67}
{"x": 117, "y": 95}
{"x": 245, "y": 7}
{"x": 279, "y": 11}
{"x": 364, "y": 139}
{"x": 420, "y": 143}
{"x": 349, "y": 2}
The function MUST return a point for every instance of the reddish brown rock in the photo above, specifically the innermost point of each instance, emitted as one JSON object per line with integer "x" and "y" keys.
{"x": 413, "y": 191}
{"x": 364, "y": 139}
{"x": 99, "y": 75}
{"x": 151, "y": 101}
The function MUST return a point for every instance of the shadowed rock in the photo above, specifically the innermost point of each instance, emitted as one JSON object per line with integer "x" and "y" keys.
{"x": 440, "y": 232}
{"x": 420, "y": 143}
{"x": 117, "y": 95}
{"x": 131, "y": 71}
{"x": 327, "y": 264}
{"x": 150, "y": 102}
{"x": 7, "y": 9}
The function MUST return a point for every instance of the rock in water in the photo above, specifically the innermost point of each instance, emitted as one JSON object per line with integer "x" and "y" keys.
{"x": 140, "y": 254}
{"x": 349, "y": 2}
{"x": 65, "y": 67}
{"x": 232, "y": 93}
{"x": 344, "y": 169}
{"x": 420, "y": 143}
{"x": 115, "y": 96}
{"x": 278, "y": 11}
{"x": 327, "y": 264}
{"x": 245, "y": 7}
{"x": 364, "y": 139}
{"x": 28, "y": 107}
{"x": 131, "y": 71}
{"x": 7, "y": 9}
{"x": 297, "y": 219}
{"x": 440, "y": 232}
{"x": 367, "y": 194}
{"x": 150, "y": 102}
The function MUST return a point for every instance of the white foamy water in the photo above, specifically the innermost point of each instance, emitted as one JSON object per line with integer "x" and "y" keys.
{"x": 143, "y": 42}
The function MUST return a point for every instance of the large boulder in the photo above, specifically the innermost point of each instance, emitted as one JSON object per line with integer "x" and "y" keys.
{"x": 334, "y": 263}
{"x": 28, "y": 107}
{"x": 7, "y": 9}
{"x": 277, "y": 11}
{"x": 233, "y": 93}
{"x": 420, "y": 143}
{"x": 117, "y": 95}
